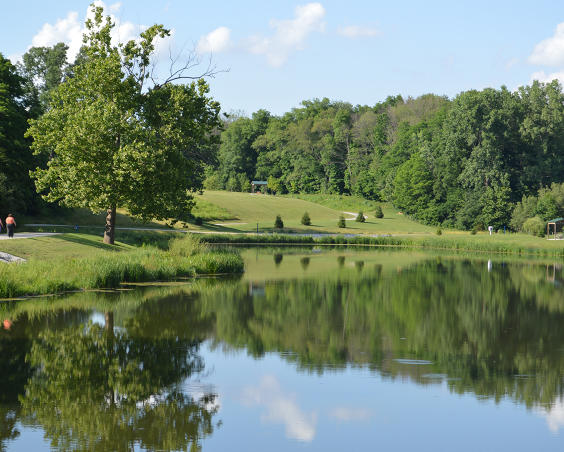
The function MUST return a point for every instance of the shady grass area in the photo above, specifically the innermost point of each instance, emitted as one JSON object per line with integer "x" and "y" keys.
{"x": 81, "y": 262}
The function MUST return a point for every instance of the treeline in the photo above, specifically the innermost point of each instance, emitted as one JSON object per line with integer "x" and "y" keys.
{"x": 25, "y": 94}
{"x": 464, "y": 163}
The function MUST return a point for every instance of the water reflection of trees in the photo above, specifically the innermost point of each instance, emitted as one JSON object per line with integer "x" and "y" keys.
{"x": 96, "y": 387}
{"x": 495, "y": 333}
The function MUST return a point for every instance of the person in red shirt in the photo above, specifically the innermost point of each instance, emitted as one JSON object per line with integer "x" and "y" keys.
{"x": 10, "y": 225}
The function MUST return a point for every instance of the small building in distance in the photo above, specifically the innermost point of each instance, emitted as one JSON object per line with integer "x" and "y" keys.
{"x": 258, "y": 183}
{"x": 554, "y": 226}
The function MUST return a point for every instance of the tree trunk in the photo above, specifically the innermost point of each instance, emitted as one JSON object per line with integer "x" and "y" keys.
{"x": 109, "y": 231}
{"x": 109, "y": 322}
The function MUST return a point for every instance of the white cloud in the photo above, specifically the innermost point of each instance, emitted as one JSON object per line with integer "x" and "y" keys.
{"x": 70, "y": 30}
{"x": 282, "y": 408}
{"x": 550, "y": 52}
{"x": 289, "y": 35}
{"x": 541, "y": 76}
{"x": 216, "y": 41}
{"x": 357, "y": 31}
{"x": 344, "y": 414}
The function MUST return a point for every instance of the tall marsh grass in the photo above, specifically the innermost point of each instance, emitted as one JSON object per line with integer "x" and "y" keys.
{"x": 186, "y": 256}
{"x": 455, "y": 243}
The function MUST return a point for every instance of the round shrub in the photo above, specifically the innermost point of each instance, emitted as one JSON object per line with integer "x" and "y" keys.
{"x": 278, "y": 223}
{"x": 378, "y": 212}
{"x": 306, "y": 220}
{"x": 534, "y": 226}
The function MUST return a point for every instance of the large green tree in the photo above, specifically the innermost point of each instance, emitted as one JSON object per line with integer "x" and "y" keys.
{"x": 118, "y": 138}
{"x": 16, "y": 188}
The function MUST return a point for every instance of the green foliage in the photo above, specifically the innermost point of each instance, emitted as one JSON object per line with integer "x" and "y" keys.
{"x": 439, "y": 231}
{"x": 378, "y": 212}
{"x": 233, "y": 184}
{"x": 360, "y": 217}
{"x": 244, "y": 183}
{"x": 17, "y": 192}
{"x": 116, "y": 142}
{"x": 213, "y": 182}
{"x": 278, "y": 223}
{"x": 341, "y": 223}
{"x": 274, "y": 185}
{"x": 535, "y": 226}
{"x": 306, "y": 220}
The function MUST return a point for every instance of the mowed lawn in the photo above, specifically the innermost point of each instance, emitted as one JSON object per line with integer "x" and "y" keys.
{"x": 60, "y": 246}
{"x": 249, "y": 209}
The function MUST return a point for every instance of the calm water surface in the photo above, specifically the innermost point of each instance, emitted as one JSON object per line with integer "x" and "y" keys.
{"x": 310, "y": 349}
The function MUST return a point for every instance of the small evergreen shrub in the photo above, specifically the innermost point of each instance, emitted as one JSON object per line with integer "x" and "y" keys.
{"x": 278, "y": 223}
{"x": 378, "y": 212}
{"x": 306, "y": 220}
{"x": 341, "y": 223}
{"x": 360, "y": 217}
{"x": 439, "y": 231}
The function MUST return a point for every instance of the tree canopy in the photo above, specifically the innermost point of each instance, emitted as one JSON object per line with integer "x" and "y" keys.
{"x": 117, "y": 138}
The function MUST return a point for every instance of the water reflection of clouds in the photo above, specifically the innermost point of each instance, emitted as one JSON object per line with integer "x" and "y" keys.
{"x": 344, "y": 414}
{"x": 554, "y": 416}
{"x": 281, "y": 408}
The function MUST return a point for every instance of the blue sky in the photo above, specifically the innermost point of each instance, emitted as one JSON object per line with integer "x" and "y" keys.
{"x": 281, "y": 52}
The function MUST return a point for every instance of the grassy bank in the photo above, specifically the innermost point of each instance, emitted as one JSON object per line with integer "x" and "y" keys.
{"x": 517, "y": 244}
{"x": 250, "y": 211}
{"x": 184, "y": 257}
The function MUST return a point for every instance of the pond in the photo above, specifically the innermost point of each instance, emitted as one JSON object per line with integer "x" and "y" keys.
{"x": 317, "y": 349}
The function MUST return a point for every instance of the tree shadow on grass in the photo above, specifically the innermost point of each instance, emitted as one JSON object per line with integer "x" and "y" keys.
{"x": 83, "y": 241}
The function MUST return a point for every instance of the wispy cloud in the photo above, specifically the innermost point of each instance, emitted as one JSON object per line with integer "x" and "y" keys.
{"x": 289, "y": 35}
{"x": 282, "y": 409}
{"x": 358, "y": 31}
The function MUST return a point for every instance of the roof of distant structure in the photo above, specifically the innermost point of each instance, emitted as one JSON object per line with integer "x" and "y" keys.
{"x": 259, "y": 182}
{"x": 556, "y": 220}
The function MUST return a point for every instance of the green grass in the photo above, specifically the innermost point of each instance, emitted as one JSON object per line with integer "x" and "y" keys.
{"x": 341, "y": 202}
{"x": 249, "y": 209}
{"x": 208, "y": 211}
{"x": 109, "y": 268}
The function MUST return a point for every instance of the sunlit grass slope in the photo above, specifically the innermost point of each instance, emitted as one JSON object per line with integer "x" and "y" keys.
{"x": 248, "y": 210}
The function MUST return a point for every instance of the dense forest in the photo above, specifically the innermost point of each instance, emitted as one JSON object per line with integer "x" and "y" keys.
{"x": 467, "y": 163}
{"x": 490, "y": 157}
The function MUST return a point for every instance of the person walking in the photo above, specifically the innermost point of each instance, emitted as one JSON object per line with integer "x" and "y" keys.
{"x": 10, "y": 225}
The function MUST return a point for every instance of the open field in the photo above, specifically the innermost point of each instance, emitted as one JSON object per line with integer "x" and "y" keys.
{"x": 248, "y": 210}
